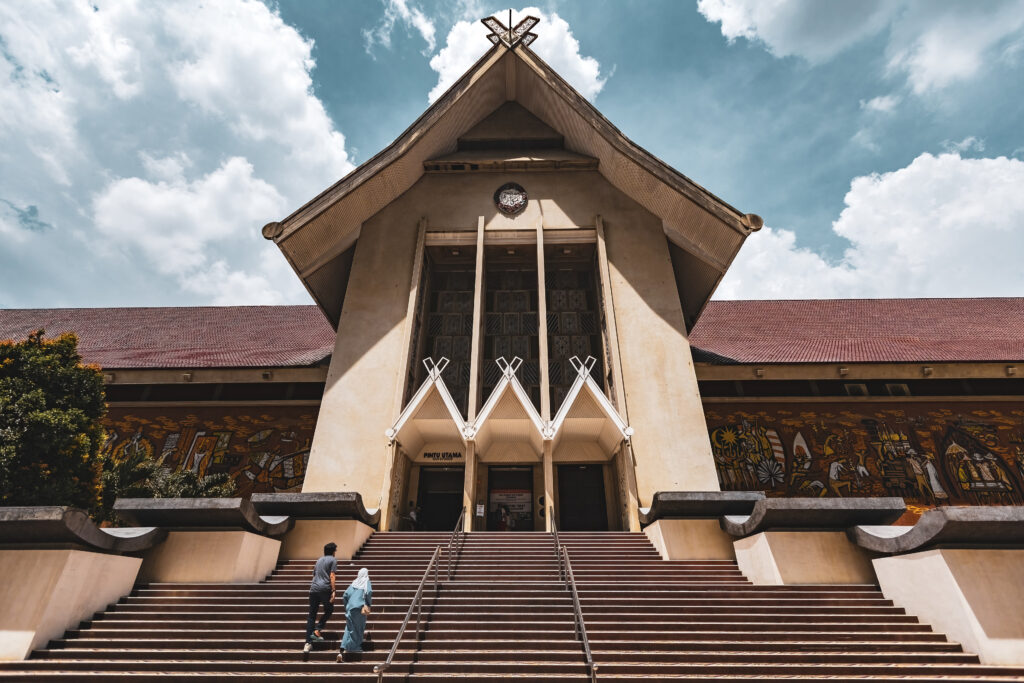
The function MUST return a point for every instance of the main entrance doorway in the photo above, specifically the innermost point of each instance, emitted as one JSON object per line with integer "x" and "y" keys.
{"x": 581, "y": 502}
{"x": 510, "y": 499}
{"x": 440, "y": 497}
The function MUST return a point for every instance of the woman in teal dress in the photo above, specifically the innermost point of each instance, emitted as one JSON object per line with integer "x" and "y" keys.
{"x": 358, "y": 598}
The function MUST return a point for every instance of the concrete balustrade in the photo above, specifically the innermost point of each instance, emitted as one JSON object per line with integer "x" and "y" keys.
{"x": 802, "y": 540}
{"x": 58, "y": 568}
{"x": 216, "y": 540}
{"x": 960, "y": 570}
{"x": 319, "y": 518}
{"x": 683, "y": 525}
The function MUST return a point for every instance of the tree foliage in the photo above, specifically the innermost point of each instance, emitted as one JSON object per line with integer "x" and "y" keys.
{"x": 51, "y": 436}
{"x": 139, "y": 475}
{"x": 50, "y": 433}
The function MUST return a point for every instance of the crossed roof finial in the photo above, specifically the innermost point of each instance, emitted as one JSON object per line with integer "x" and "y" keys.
{"x": 510, "y": 37}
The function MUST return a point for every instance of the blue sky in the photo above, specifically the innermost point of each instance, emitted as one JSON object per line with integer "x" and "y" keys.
{"x": 143, "y": 145}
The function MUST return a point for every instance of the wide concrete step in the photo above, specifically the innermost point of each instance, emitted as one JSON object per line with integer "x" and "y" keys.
{"x": 485, "y": 665}
{"x": 573, "y": 655}
{"x": 505, "y": 614}
{"x": 346, "y": 672}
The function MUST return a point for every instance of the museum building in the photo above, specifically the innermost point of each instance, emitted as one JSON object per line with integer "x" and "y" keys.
{"x": 514, "y": 331}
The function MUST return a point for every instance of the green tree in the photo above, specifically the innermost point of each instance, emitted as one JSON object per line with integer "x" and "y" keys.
{"x": 50, "y": 433}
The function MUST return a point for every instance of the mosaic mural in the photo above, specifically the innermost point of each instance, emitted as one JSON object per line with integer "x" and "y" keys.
{"x": 928, "y": 453}
{"x": 262, "y": 449}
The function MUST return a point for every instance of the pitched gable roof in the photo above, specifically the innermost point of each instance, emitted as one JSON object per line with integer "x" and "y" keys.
{"x": 315, "y": 238}
{"x": 863, "y": 331}
{"x": 808, "y": 331}
{"x": 183, "y": 337}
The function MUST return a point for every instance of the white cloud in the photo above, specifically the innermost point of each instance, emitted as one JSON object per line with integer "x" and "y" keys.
{"x": 174, "y": 224}
{"x": 931, "y": 44}
{"x": 968, "y": 144}
{"x": 170, "y": 168}
{"x": 882, "y": 104}
{"x": 467, "y": 42}
{"x": 411, "y": 16}
{"x": 157, "y": 139}
{"x": 810, "y": 29}
{"x": 936, "y": 45}
{"x": 929, "y": 229}
{"x": 866, "y": 138}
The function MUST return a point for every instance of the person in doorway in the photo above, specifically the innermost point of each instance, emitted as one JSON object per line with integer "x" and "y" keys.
{"x": 321, "y": 592}
{"x": 357, "y": 599}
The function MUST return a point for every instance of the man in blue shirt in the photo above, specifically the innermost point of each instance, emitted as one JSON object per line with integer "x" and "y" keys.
{"x": 321, "y": 592}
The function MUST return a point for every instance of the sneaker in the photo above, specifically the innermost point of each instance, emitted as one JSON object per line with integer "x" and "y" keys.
{"x": 307, "y": 648}
{"x": 340, "y": 659}
{"x": 317, "y": 638}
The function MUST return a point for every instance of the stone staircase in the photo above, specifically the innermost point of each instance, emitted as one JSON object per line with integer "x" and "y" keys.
{"x": 506, "y": 615}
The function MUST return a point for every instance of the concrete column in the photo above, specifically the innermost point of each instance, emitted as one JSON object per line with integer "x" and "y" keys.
{"x": 549, "y": 484}
{"x": 469, "y": 485}
{"x": 629, "y": 469}
{"x": 476, "y": 349}
{"x": 542, "y": 328}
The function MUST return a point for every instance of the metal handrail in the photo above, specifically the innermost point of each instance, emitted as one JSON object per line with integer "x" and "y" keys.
{"x": 554, "y": 533}
{"x": 417, "y": 603}
{"x": 458, "y": 533}
{"x": 581, "y": 629}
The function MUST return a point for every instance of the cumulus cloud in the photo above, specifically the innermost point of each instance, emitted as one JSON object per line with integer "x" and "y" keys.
{"x": 810, "y": 29}
{"x": 175, "y": 224}
{"x": 399, "y": 11}
{"x": 931, "y": 44}
{"x": 866, "y": 138}
{"x": 156, "y": 140}
{"x": 928, "y": 229}
{"x": 968, "y": 144}
{"x": 467, "y": 42}
{"x": 882, "y": 104}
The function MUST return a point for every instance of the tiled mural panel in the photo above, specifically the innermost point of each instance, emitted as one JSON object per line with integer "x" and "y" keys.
{"x": 928, "y": 453}
{"x": 264, "y": 449}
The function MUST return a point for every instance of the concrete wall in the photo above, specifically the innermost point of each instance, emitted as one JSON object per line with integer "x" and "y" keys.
{"x": 671, "y": 445}
{"x": 976, "y": 597}
{"x": 45, "y": 592}
{"x": 306, "y": 540}
{"x": 690, "y": 539}
{"x": 789, "y": 557}
{"x": 211, "y": 556}
{"x": 348, "y": 451}
{"x": 671, "y": 442}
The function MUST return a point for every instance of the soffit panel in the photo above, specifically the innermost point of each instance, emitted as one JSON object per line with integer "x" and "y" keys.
{"x": 703, "y": 230}
{"x": 323, "y": 234}
{"x": 698, "y": 221}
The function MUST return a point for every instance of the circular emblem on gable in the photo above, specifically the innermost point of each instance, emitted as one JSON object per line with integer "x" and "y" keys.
{"x": 510, "y": 199}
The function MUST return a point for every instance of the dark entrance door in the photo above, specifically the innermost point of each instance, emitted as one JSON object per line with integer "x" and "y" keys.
{"x": 581, "y": 504}
{"x": 440, "y": 497}
{"x": 510, "y": 499}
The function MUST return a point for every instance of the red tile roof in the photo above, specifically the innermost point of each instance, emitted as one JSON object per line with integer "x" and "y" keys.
{"x": 863, "y": 330}
{"x": 810, "y": 331}
{"x": 186, "y": 337}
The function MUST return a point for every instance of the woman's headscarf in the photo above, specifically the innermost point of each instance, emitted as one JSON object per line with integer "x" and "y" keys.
{"x": 362, "y": 580}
